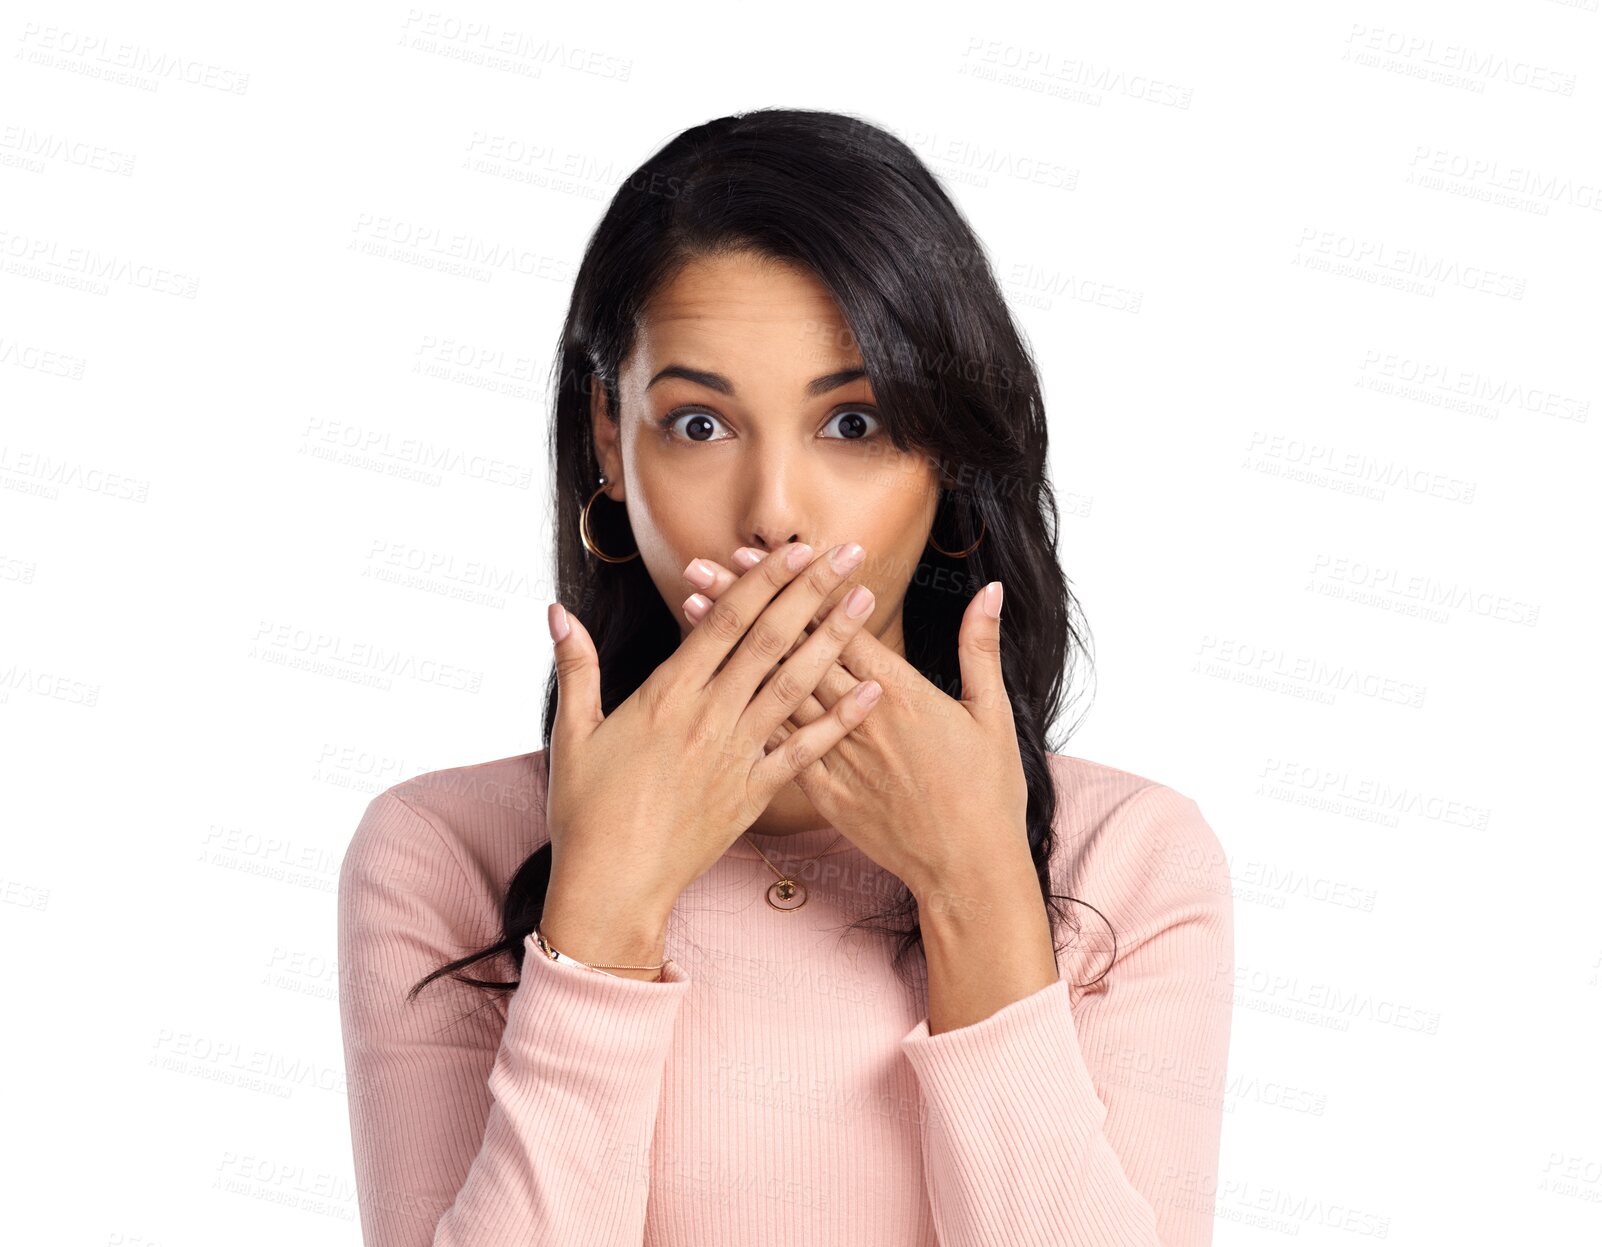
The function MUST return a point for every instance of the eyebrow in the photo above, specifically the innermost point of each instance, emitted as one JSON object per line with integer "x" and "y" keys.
{"x": 720, "y": 383}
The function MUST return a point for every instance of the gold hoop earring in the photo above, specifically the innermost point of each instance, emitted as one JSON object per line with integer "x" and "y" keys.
{"x": 952, "y": 554}
{"x": 589, "y": 542}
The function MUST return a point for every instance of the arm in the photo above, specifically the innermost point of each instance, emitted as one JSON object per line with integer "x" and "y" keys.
{"x": 1096, "y": 1122}
{"x": 469, "y": 1131}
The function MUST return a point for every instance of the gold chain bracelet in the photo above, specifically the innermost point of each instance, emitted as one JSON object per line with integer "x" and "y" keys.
{"x": 551, "y": 951}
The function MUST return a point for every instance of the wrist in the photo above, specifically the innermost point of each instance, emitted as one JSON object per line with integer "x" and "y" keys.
{"x": 642, "y": 897}
{"x": 601, "y": 928}
{"x": 986, "y": 947}
{"x": 969, "y": 892}
{"x": 951, "y": 917}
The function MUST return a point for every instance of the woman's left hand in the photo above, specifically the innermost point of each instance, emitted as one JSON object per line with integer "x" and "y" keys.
{"x": 935, "y": 787}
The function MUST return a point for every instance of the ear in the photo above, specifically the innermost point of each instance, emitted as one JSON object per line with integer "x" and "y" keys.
{"x": 605, "y": 435}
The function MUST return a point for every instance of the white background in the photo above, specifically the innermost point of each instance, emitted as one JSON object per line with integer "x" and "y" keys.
{"x": 1314, "y": 295}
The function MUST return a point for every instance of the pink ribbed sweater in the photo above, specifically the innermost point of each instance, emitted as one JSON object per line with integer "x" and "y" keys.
{"x": 779, "y": 1085}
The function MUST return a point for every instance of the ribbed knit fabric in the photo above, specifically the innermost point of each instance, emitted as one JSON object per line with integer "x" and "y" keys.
{"x": 779, "y": 1086}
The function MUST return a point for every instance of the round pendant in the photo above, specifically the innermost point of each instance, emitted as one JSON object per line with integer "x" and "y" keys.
{"x": 786, "y": 894}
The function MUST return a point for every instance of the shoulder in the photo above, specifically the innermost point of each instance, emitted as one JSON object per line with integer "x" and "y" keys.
{"x": 1138, "y": 850}
{"x": 1102, "y": 810}
{"x": 478, "y": 822}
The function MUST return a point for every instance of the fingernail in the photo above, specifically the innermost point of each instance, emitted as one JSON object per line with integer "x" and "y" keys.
{"x": 992, "y": 603}
{"x": 846, "y": 557}
{"x": 800, "y": 555}
{"x": 699, "y": 574}
{"x": 858, "y": 602}
{"x": 697, "y": 605}
{"x": 556, "y": 620}
{"x": 868, "y": 693}
{"x": 746, "y": 557}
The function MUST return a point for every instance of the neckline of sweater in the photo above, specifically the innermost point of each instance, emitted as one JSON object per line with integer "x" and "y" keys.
{"x": 791, "y": 848}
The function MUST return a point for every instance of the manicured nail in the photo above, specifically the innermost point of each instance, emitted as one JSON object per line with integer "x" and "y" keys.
{"x": 746, "y": 557}
{"x": 858, "y": 602}
{"x": 556, "y": 620}
{"x": 699, "y": 574}
{"x": 799, "y": 556}
{"x": 697, "y": 605}
{"x": 992, "y": 603}
{"x": 846, "y": 557}
{"x": 868, "y": 693}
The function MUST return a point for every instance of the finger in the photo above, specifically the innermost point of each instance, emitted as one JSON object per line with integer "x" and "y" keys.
{"x": 840, "y": 679}
{"x": 794, "y": 757}
{"x": 747, "y": 557}
{"x": 725, "y": 627}
{"x": 781, "y": 734}
{"x": 809, "y": 709}
{"x": 578, "y": 675}
{"x": 864, "y": 657}
{"x": 984, "y": 690}
{"x": 798, "y": 674}
{"x": 712, "y": 580}
{"x": 695, "y": 607}
{"x": 772, "y": 634}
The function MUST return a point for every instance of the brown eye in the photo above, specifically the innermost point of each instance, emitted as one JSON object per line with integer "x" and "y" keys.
{"x": 854, "y": 424}
{"x": 698, "y": 426}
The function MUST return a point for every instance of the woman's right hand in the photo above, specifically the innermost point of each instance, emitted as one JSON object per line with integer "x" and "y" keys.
{"x": 643, "y": 801}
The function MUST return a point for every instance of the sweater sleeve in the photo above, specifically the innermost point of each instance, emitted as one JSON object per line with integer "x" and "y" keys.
{"x": 470, "y": 1130}
{"x": 1097, "y": 1122}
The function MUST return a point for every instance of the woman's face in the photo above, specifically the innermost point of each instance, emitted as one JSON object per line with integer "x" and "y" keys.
{"x": 744, "y": 422}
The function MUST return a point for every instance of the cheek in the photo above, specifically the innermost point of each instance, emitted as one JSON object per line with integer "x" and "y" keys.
{"x": 668, "y": 533}
{"x": 668, "y": 537}
{"x": 896, "y": 534}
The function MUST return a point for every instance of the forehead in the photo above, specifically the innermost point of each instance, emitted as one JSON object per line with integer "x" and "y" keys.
{"x": 746, "y": 303}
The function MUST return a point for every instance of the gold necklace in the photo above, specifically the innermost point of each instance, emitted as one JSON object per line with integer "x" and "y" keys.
{"x": 787, "y": 888}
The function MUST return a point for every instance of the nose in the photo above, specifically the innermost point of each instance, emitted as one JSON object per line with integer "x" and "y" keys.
{"x": 774, "y": 512}
{"x": 762, "y": 542}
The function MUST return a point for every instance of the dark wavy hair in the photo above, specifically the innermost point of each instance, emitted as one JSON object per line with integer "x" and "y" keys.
{"x": 952, "y": 378}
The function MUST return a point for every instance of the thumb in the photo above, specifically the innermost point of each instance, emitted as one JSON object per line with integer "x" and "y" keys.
{"x": 984, "y": 691}
{"x": 578, "y": 675}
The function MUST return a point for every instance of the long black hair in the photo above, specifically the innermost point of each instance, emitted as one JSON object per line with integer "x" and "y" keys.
{"x": 952, "y": 378}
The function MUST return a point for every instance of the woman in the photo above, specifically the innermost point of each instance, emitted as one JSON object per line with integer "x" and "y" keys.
{"x": 795, "y": 931}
